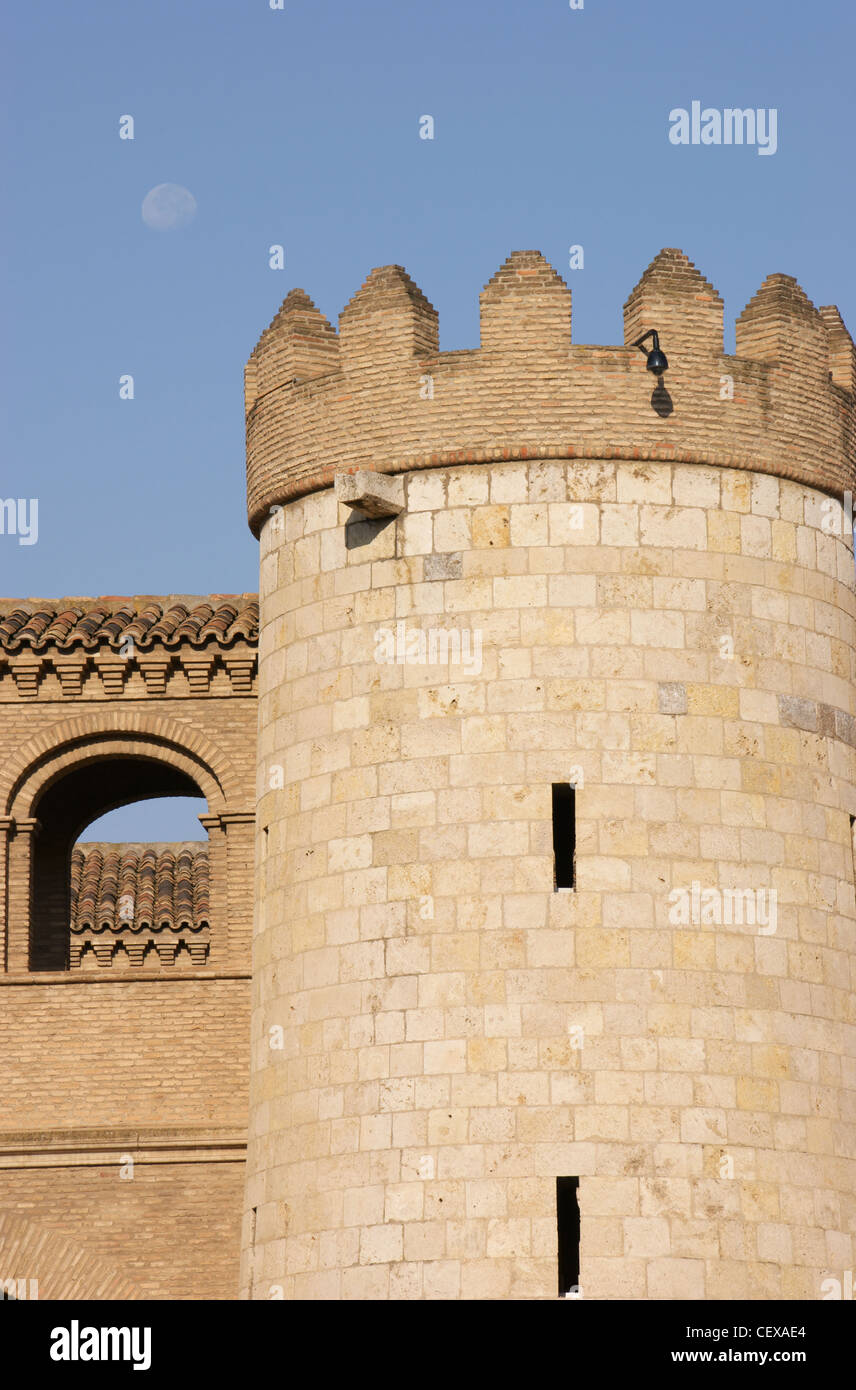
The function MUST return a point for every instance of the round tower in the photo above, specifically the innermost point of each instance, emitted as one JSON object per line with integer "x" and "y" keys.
{"x": 555, "y": 941}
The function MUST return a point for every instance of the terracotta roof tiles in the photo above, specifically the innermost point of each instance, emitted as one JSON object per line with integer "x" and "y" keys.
{"x": 215, "y": 619}
{"x": 132, "y": 887}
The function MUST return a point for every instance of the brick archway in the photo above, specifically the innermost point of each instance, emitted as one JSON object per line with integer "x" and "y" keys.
{"x": 115, "y": 733}
{"x": 101, "y": 760}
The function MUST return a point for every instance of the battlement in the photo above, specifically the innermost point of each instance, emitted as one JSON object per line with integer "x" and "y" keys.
{"x": 379, "y": 394}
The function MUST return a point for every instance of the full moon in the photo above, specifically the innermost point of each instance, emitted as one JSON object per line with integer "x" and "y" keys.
{"x": 168, "y": 206}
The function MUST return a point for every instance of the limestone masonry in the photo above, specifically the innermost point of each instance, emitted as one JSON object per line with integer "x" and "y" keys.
{"x": 546, "y": 736}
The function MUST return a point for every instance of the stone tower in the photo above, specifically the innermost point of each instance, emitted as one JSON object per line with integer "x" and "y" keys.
{"x": 556, "y": 787}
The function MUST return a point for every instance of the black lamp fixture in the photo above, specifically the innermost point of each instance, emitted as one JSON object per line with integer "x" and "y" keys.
{"x": 657, "y": 361}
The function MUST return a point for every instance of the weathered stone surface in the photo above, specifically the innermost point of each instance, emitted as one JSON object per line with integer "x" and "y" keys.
{"x": 672, "y": 697}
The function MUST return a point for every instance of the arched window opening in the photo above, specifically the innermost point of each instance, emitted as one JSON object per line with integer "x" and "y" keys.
{"x": 105, "y": 902}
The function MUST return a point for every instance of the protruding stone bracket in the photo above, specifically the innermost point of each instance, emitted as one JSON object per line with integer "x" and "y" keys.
{"x": 222, "y": 819}
{"x": 373, "y": 494}
{"x": 236, "y": 818}
{"x": 27, "y": 825}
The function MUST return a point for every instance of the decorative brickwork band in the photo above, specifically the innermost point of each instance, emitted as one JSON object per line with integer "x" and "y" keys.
{"x": 73, "y": 649}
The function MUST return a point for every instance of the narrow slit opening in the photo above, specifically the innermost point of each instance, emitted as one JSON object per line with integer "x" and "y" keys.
{"x": 568, "y": 1222}
{"x": 564, "y": 835}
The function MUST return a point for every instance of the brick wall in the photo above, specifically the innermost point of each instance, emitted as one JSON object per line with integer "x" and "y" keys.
{"x": 92, "y": 1071}
{"x": 148, "y": 1052}
{"x": 149, "y": 1062}
{"x": 170, "y": 1231}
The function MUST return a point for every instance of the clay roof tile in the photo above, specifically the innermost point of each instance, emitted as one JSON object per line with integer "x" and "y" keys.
{"x": 132, "y": 887}
{"x": 218, "y": 619}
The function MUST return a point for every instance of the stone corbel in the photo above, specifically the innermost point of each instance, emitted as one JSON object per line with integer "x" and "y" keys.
{"x": 237, "y": 818}
{"x": 223, "y": 819}
{"x": 372, "y": 494}
{"x": 27, "y": 825}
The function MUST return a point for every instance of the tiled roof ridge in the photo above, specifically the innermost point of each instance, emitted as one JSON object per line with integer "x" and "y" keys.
{"x": 111, "y": 620}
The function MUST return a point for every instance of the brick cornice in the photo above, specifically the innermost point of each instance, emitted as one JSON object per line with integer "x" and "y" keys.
{"x": 123, "y": 976}
{"x": 50, "y": 674}
{"x": 97, "y": 1147}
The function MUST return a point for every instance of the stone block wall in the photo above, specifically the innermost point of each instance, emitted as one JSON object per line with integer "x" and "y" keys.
{"x": 438, "y": 1034}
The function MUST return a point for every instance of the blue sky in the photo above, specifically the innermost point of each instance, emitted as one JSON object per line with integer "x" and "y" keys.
{"x": 301, "y": 127}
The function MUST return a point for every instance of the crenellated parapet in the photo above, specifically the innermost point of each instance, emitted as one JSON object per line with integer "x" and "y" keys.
{"x": 380, "y": 394}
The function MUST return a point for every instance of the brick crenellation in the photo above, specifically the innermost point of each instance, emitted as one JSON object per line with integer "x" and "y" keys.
{"x": 380, "y": 394}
